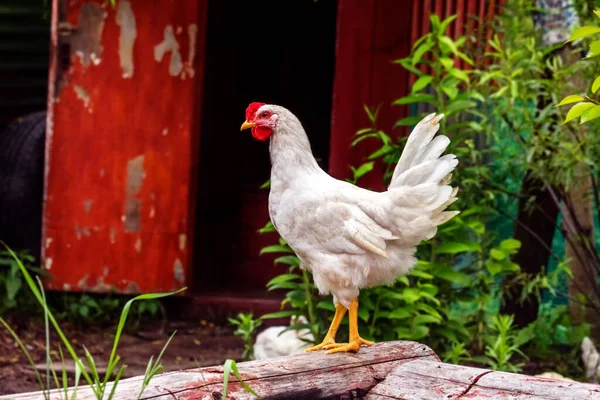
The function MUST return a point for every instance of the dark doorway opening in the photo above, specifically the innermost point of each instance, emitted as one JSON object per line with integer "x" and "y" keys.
{"x": 280, "y": 52}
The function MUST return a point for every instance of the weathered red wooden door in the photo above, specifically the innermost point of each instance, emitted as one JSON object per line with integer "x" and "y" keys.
{"x": 121, "y": 144}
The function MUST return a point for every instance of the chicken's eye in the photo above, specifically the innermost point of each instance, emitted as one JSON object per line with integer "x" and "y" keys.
{"x": 264, "y": 114}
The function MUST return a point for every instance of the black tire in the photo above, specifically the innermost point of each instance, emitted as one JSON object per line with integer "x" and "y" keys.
{"x": 22, "y": 147}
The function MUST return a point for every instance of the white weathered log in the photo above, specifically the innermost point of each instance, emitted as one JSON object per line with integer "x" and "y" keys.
{"x": 305, "y": 376}
{"x": 422, "y": 379}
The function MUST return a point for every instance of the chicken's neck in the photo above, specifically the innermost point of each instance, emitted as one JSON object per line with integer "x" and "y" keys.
{"x": 291, "y": 155}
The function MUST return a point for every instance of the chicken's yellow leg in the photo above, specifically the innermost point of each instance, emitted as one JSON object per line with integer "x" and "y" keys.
{"x": 355, "y": 340}
{"x": 340, "y": 310}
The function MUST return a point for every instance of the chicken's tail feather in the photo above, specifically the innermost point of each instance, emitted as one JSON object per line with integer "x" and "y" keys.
{"x": 423, "y": 175}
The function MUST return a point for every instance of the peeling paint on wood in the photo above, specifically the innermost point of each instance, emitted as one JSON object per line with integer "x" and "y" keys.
{"x": 169, "y": 44}
{"x": 189, "y": 64}
{"x": 87, "y": 206}
{"x": 48, "y": 263}
{"x": 178, "y": 271}
{"x": 126, "y": 21}
{"x": 182, "y": 240}
{"x": 88, "y": 154}
{"x": 135, "y": 177}
{"x": 87, "y": 39}
{"x": 82, "y": 94}
{"x": 138, "y": 245}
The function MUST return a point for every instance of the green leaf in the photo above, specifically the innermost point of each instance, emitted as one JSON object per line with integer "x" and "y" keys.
{"x": 449, "y": 274}
{"x": 400, "y": 313}
{"x": 326, "y": 305}
{"x": 577, "y": 110}
{"x": 279, "y": 314}
{"x": 457, "y": 247}
{"x": 451, "y": 91}
{"x": 276, "y": 249}
{"x": 363, "y": 314}
{"x": 363, "y": 169}
{"x": 594, "y": 49}
{"x": 460, "y": 74}
{"x": 416, "y": 333}
{"x": 583, "y": 32}
{"x": 596, "y": 84}
{"x": 446, "y": 22}
{"x": 285, "y": 285}
{"x": 420, "y": 51}
{"x": 447, "y": 62}
{"x": 415, "y": 98}
{"x": 283, "y": 278}
{"x": 425, "y": 319}
{"x": 420, "y": 274}
{"x": 590, "y": 114}
{"x": 408, "y": 121}
{"x": 510, "y": 244}
{"x": 288, "y": 260}
{"x": 457, "y": 106}
{"x": 449, "y": 43}
{"x": 411, "y": 295}
{"x": 421, "y": 83}
{"x": 435, "y": 22}
{"x": 465, "y": 58}
{"x": 497, "y": 254}
{"x": 571, "y": 99}
{"x": 493, "y": 267}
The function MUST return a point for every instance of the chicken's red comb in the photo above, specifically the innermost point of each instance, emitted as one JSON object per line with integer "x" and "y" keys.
{"x": 252, "y": 109}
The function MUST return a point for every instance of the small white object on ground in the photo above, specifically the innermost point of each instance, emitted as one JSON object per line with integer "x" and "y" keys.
{"x": 591, "y": 360}
{"x": 272, "y": 343}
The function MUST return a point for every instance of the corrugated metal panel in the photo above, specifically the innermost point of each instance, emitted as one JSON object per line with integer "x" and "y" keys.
{"x": 472, "y": 18}
{"x": 24, "y": 48}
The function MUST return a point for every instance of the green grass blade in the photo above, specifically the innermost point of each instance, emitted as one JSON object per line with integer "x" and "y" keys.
{"x": 38, "y": 296}
{"x": 77, "y": 377}
{"x": 154, "y": 368}
{"x": 47, "y": 334}
{"x": 123, "y": 319}
{"x": 65, "y": 380}
{"x": 228, "y": 367}
{"x": 165, "y": 347}
{"x": 96, "y": 386}
{"x": 226, "y": 373}
{"x": 116, "y": 381}
{"x": 56, "y": 382}
{"x": 244, "y": 385}
{"x": 27, "y": 355}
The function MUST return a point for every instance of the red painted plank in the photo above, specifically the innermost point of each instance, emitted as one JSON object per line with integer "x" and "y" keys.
{"x": 370, "y": 35}
{"x": 120, "y": 151}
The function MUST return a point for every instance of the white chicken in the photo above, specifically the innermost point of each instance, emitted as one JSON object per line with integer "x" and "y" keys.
{"x": 348, "y": 237}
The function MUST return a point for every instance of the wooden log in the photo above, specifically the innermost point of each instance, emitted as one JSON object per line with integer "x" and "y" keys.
{"x": 422, "y": 379}
{"x": 305, "y": 376}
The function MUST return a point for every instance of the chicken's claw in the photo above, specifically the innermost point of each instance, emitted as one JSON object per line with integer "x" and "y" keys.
{"x": 326, "y": 343}
{"x": 351, "y": 347}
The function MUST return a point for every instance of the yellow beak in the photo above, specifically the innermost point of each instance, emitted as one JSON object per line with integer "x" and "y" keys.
{"x": 247, "y": 125}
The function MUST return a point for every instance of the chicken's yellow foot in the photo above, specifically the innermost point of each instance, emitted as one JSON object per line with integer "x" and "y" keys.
{"x": 340, "y": 310}
{"x": 355, "y": 340}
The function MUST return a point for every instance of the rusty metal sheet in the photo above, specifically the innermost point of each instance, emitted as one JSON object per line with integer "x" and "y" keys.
{"x": 123, "y": 113}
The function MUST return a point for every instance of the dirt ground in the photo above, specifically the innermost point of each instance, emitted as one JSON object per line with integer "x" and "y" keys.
{"x": 196, "y": 344}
